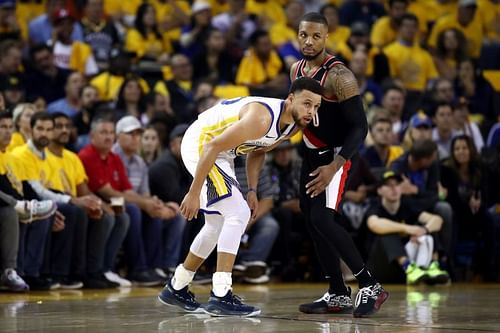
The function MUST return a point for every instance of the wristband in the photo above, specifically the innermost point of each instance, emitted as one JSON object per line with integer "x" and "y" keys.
{"x": 251, "y": 189}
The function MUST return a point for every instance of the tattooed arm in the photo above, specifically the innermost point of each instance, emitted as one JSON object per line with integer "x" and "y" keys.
{"x": 342, "y": 84}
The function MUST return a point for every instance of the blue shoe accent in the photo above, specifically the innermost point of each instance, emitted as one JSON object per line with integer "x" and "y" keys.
{"x": 229, "y": 305}
{"x": 183, "y": 298}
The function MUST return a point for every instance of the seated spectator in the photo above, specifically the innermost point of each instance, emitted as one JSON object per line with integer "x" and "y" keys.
{"x": 41, "y": 28}
{"x": 148, "y": 215}
{"x": 410, "y": 63}
{"x": 71, "y": 103}
{"x": 451, "y": 49}
{"x": 150, "y": 145}
{"x": 145, "y": 38}
{"x": 21, "y": 117}
{"x": 10, "y": 58}
{"x": 462, "y": 178}
{"x": 213, "y": 63}
{"x": 404, "y": 237}
{"x": 370, "y": 92}
{"x": 463, "y": 125}
{"x": 420, "y": 128}
{"x": 267, "y": 12}
{"x": 69, "y": 53}
{"x": 194, "y": 34}
{"x": 99, "y": 32}
{"x": 443, "y": 133}
{"x": 261, "y": 69}
{"x": 420, "y": 172}
{"x": 257, "y": 243}
{"x": 382, "y": 152}
{"x": 338, "y": 35}
{"x": 89, "y": 97}
{"x": 385, "y": 29}
{"x": 131, "y": 100}
{"x": 394, "y": 102}
{"x": 468, "y": 20}
{"x": 13, "y": 91}
{"x": 43, "y": 77}
{"x": 9, "y": 27}
{"x": 472, "y": 85}
{"x": 282, "y": 33}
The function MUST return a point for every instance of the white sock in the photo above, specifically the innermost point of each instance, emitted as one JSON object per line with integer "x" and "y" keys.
{"x": 182, "y": 277}
{"x": 221, "y": 283}
{"x": 20, "y": 206}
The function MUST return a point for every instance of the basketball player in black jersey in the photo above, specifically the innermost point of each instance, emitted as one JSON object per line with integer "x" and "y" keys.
{"x": 332, "y": 140}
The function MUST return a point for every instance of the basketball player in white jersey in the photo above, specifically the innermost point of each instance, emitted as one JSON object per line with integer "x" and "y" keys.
{"x": 247, "y": 125}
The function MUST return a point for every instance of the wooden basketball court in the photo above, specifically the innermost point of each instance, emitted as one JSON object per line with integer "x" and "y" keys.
{"x": 456, "y": 308}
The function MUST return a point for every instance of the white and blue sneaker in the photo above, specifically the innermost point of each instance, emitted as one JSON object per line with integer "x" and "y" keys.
{"x": 229, "y": 305}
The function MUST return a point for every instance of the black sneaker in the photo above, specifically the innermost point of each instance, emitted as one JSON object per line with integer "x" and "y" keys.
{"x": 229, "y": 305}
{"x": 369, "y": 300}
{"x": 144, "y": 279}
{"x": 40, "y": 283}
{"x": 68, "y": 283}
{"x": 98, "y": 281}
{"x": 329, "y": 303}
{"x": 181, "y": 298}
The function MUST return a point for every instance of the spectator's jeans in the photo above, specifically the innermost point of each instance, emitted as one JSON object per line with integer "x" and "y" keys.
{"x": 262, "y": 234}
{"x": 60, "y": 245}
{"x": 163, "y": 240}
{"x": 9, "y": 238}
{"x": 114, "y": 240}
{"x": 98, "y": 233}
{"x": 135, "y": 255}
{"x": 32, "y": 240}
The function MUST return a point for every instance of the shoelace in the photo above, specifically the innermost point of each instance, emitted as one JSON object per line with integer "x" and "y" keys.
{"x": 363, "y": 295}
{"x": 235, "y": 299}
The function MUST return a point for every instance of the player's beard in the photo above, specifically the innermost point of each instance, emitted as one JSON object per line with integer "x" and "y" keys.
{"x": 312, "y": 57}
{"x": 298, "y": 120}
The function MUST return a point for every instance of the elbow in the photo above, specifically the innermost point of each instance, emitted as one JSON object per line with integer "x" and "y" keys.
{"x": 373, "y": 226}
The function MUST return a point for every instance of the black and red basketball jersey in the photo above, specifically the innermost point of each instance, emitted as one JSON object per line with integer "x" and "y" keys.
{"x": 331, "y": 129}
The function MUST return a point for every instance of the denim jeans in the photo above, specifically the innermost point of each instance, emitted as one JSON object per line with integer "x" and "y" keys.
{"x": 261, "y": 239}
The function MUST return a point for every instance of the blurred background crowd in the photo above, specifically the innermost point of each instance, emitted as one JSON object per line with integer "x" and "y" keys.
{"x": 95, "y": 96}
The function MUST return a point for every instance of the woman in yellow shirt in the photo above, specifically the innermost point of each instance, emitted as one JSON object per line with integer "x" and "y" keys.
{"x": 21, "y": 116}
{"x": 145, "y": 38}
{"x": 451, "y": 49}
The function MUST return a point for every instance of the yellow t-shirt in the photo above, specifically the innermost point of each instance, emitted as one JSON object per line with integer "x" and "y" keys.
{"x": 473, "y": 32}
{"x": 490, "y": 14}
{"x": 80, "y": 53}
{"x": 411, "y": 64}
{"x": 253, "y": 71}
{"x": 13, "y": 169}
{"x": 165, "y": 13}
{"x": 218, "y": 7}
{"x": 152, "y": 45}
{"x": 36, "y": 168}
{"x": 270, "y": 9}
{"x": 281, "y": 33}
{"x": 420, "y": 10}
{"x": 69, "y": 169}
{"x": 109, "y": 85}
{"x": 16, "y": 141}
{"x": 25, "y": 12}
{"x": 382, "y": 32}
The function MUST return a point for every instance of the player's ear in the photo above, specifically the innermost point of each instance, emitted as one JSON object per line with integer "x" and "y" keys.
{"x": 290, "y": 97}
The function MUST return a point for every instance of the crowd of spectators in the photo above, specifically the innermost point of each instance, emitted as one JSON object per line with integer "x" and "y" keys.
{"x": 95, "y": 96}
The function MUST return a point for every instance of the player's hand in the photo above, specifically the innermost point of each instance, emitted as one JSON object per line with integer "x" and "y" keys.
{"x": 323, "y": 176}
{"x": 415, "y": 230}
{"x": 190, "y": 206}
{"x": 58, "y": 224}
{"x": 253, "y": 203}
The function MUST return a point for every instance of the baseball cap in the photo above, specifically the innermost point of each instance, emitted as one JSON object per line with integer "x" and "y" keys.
{"x": 200, "y": 6}
{"x": 467, "y": 3}
{"x": 420, "y": 119}
{"x": 178, "y": 130}
{"x": 7, "y": 3}
{"x": 388, "y": 175}
{"x": 62, "y": 14}
{"x": 12, "y": 82}
{"x": 128, "y": 124}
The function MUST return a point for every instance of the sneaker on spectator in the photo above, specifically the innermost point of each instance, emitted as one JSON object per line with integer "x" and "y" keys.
{"x": 98, "y": 281}
{"x": 229, "y": 305}
{"x": 113, "y": 277}
{"x": 40, "y": 283}
{"x": 329, "y": 303}
{"x": 37, "y": 210}
{"x": 9, "y": 280}
{"x": 436, "y": 274}
{"x": 369, "y": 300}
{"x": 183, "y": 298}
{"x": 67, "y": 283}
{"x": 144, "y": 279}
{"x": 415, "y": 274}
